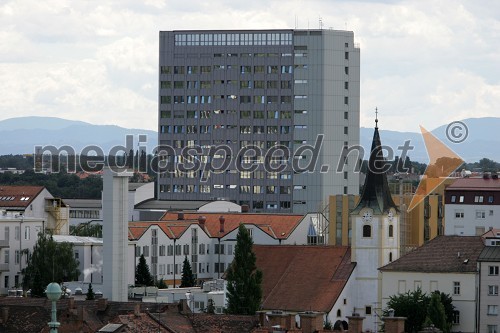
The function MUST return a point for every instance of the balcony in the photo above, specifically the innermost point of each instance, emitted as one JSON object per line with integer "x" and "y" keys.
{"x": 4, "y": 243}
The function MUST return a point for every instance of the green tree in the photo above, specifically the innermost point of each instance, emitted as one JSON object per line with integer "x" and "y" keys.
{"x": 187, "y": 279}
{"x": 243, "y": 278}
{"x": 412, "y": 305}
{"x": 142, "y": 275}
{"x": 90, "y": 293}
{"x": 436, "y": 313}
{"x": 160, "y": 284}
{"x": 449, "y": 309}
{"x": 50, "y": 262}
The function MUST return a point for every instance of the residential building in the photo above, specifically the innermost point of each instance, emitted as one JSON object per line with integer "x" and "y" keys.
{"x": 259, "y": 90}
{"x": 35, "y": 202}
{"x": 307, "y": 278}
{"x": 209, "y": 240}
{"x": 18, "y": 236}
{"x": 472, "y": 205}
{"x": 488, "y": 297}
{"x": 445, "y": 263}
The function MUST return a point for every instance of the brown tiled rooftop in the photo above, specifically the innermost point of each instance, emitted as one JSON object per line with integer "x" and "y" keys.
{"x": 475, "y": 184}
{"x": 303, "y": 278}
{"x": 18, "y": 196}
{"x": 443, "y": 254}
{"x": 275, "y": 225}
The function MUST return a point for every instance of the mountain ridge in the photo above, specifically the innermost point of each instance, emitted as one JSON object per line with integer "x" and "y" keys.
{"x": 20, "y": 135}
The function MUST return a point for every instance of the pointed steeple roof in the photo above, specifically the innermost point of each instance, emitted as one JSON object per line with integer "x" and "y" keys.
{"x": 376, "y": 194}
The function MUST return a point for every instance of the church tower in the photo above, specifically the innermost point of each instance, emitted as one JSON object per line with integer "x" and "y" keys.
{"x": 375, "y": 234}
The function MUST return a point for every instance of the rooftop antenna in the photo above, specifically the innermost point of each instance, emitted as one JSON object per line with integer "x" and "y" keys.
{"x": 376, "y": 117}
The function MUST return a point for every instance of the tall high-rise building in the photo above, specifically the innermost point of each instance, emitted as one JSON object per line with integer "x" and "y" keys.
{"x": 233, "y": 95}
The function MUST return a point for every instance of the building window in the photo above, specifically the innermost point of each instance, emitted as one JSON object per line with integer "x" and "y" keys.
{"x": 367, "y": 230}
{"x": 493, "y": 290}
{"x": 390, "y": 256}
{"x": 492, "y": 328}
{"x": 456, "y": 317}
{"x": 493, "y": 270}
{"x": 27, "y": 233}
{"x": 346, "y": 130}
{"x": 459, "y": 214}
{"x": 391, "y": 230}
{"x": 6, "y": 256}
{"x": 346, "y": 100}
{"x": 6, "y": 281}
{"x": 461, "y": 198}
{"x": 456, "y": 288}
{"x": 145, "y": 250}
{"x": 17, "y": 257}
{"x": 137, "y": 251}
{"x": 492, "y": 310}
{"x": 480, "y": 214}
{"x": 453, "y": 198}
{"x": 368, "y": 310}
{"x": 17, "y": 233}
{"x": 162, "y": 250}
{"x": 478, "y": 198}
{"x": 490, "y": 199}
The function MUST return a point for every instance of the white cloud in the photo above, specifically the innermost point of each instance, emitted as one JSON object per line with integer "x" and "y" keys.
{"x": 422, "y": 62}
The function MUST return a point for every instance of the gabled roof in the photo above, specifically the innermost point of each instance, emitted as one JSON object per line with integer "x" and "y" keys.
{"x": 171, "y": 230}
{"x": 474, "y": 184}
{"x": 443, "y": 254}
{"x": 278, "y": 226}
{"x": 18, "y": 196}
{"x": 376, "y": 194}
{"x": 303, "y": 278}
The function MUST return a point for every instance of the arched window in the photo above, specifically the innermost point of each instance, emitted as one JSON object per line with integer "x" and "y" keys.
{"x": 390, "y": 256}
{"x": 391, "y": 230}
{"x": 339, "y": 314}
{"x": 367, "y": 230}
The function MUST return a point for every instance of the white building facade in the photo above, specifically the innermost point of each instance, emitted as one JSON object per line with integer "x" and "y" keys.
{"x": 472, "y": 206}
{"x": 209, "y": 240}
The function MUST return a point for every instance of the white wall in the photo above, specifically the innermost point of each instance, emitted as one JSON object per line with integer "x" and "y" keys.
{"x": 466, "y": 226}
{"x": 394, "y": 283}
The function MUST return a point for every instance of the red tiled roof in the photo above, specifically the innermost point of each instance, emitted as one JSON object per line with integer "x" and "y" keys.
{"x": 279, "y": 226}
{"x": 172, "y": 230}
{"x": 18, "y": 196}
{"x": 443, "y": 254}
{"x": 303, "y": 278}
{"x": 475, "y": 184}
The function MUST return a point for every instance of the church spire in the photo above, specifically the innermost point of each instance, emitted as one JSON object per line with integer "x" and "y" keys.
{"x": 376, "y": 194}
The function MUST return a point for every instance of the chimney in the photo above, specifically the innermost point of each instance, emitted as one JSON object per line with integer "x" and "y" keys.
{"x": 180, "y": 216}
{"x": 245, "y": 208}
{"x": 394, "y": 324}
{"x": 201, "y": 221}
{"x": 311, "y": 321}
{"x": 221, "y": 220}
{"x": 355, "y": 323}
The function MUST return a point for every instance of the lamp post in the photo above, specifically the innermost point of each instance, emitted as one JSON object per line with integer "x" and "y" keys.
{"x": 53, "y": 292}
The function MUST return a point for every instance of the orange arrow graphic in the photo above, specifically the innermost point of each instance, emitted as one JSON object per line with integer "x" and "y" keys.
{"x": 442, "y": 163}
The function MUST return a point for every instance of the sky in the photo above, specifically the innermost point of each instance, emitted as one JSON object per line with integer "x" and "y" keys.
{"x": 423, "y": 62}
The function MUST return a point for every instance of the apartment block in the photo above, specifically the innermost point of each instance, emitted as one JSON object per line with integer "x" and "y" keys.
{"x": 243, "y": 116}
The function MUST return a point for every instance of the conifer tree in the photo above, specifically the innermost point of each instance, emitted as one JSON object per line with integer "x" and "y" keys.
{"x": 243, "y": 279}
{"x": 143, "y": 276}
{"x": 90, "y": 293}
{"x": 187, "y": 274}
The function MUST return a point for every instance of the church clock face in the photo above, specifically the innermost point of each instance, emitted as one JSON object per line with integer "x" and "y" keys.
{"x": 367, "y": 217}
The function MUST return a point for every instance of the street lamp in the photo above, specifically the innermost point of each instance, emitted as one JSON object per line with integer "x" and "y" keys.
{"x": 53, "y": 292}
